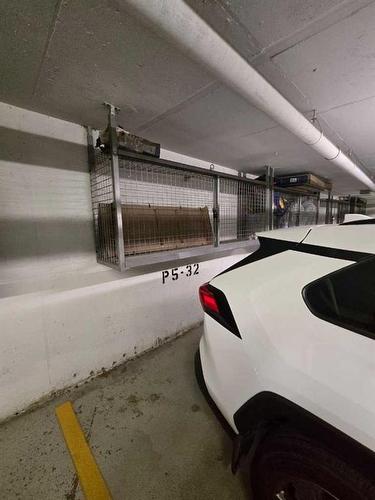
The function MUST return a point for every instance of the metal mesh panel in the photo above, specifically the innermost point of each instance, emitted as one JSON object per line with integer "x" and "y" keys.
{"x": 102, "y": 205}
{"x": 242, "y": 209}
{"x": 322, "y": 211}
{"x": 308, "y": 210}
{"x": 164, "y": 208}
{"x": 336, "y": 211}
{"x": 343, "y": 207}
{"x": 294, "y": 209}
{"x": 333, "y": 212}
{"x": 357, "y": 205}
{"x": 285, "y": 209}
{"x": 228, "y": 207}
{"x": 256, "y": 212}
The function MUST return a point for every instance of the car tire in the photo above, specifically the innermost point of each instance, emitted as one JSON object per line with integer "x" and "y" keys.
{"x": 290, "y": 466}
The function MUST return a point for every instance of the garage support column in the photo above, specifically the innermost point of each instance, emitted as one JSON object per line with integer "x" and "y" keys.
{"x": 216, "y": 211}
{"x": 269, "y": 197}
{"x": 112, "y": 125}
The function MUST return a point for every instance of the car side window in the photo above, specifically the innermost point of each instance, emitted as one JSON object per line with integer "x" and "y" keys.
{"x": 346, "y": 297}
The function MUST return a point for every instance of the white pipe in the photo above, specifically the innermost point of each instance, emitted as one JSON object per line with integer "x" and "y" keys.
{"x": 196, "y": 38}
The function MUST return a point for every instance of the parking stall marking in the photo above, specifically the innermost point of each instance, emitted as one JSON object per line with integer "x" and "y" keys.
{"x": 88, "y": 472}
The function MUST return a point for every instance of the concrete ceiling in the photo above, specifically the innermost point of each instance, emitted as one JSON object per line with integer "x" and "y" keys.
{"x": 64, "y": 58}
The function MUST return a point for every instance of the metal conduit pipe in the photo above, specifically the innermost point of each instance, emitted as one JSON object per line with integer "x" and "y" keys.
{"x": 198, "y": 40}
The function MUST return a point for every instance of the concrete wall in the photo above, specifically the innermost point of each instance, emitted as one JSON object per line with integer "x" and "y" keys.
{"x": 63, "y": 316}
{"x": 45, "y": 212}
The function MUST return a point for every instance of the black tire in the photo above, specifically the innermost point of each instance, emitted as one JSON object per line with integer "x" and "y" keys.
{"x": 290, "y": 466}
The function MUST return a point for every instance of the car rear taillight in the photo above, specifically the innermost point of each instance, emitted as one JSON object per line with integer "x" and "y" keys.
{"x": 208, "y": 300}
{"x": 215, "y": 304}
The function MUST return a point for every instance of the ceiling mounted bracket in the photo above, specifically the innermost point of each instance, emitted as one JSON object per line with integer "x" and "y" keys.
{"x": 111, "y": 107}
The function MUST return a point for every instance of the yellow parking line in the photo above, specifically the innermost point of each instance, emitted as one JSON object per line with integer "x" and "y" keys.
{"x": 88, "y": 472}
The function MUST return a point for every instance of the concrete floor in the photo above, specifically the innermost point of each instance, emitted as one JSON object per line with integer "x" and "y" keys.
{"x": 150, "y": 429}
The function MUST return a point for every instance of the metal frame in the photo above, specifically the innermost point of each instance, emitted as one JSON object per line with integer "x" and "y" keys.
{"x": 184, "y": 166}
{"x": 112, "y": 123}
{"x": 115, "y": 157}
{"x": 254, "y": 199}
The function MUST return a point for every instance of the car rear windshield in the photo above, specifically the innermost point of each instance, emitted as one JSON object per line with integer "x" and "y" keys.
{"x": 346, "y": 297}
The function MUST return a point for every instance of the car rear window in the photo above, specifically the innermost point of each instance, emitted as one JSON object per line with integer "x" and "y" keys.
{"x": 346, "y": 297}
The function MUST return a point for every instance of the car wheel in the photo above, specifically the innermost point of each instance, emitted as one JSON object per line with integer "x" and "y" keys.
{"x": 290, "y": 466}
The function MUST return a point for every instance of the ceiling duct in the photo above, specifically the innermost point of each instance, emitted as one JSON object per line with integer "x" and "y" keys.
{"x": 197, "y": 39}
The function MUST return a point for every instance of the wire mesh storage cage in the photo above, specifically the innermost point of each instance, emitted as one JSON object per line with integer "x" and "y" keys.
{"x": 157, "y": 209}
{"x": 165, "y": 208}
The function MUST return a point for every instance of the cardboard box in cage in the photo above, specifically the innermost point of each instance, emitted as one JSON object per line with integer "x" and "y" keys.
{"x": 150, "y": 228}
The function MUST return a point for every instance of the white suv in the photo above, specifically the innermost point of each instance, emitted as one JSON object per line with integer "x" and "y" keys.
{"x": 288, "y": 358}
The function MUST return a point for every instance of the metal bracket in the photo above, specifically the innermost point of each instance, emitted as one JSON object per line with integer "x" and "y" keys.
{"x": 115, "y": 109}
